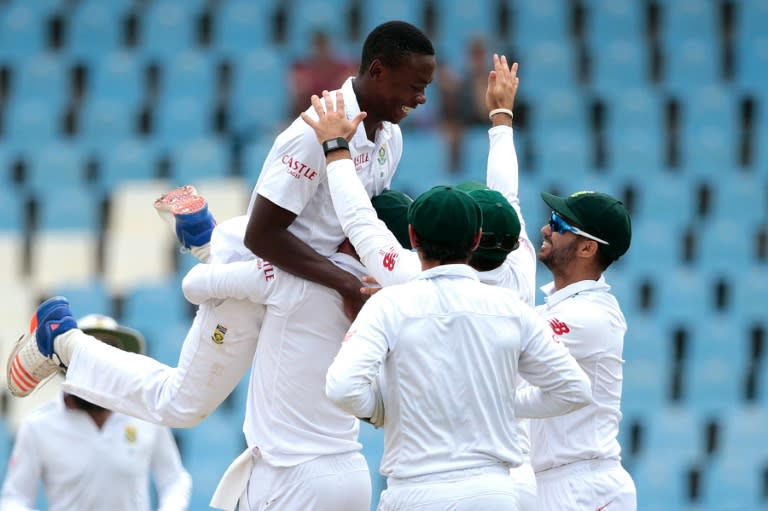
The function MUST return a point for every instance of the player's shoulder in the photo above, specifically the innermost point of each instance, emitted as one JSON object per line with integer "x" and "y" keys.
{"x": 44, "y": 414}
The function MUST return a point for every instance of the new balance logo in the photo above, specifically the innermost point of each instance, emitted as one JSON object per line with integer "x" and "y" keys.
{"x": 558, "y": 326}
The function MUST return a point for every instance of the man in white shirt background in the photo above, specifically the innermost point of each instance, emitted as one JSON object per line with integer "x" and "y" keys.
{"x": 88, "y": 457}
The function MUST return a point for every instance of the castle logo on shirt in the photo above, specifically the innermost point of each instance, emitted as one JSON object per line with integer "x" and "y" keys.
{"x": 558, "y": 326}
{"x": 297, "y": 169}
{"x": 130, "y": 434}
{"x": 218, "y": 334}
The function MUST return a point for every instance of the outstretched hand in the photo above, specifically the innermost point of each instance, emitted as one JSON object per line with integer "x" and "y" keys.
{"x": 332, "y": 119}
{"x": 502, "y": 84}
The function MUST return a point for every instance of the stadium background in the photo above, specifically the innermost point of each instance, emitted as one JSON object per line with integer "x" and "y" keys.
{"x": 105, "y": 104}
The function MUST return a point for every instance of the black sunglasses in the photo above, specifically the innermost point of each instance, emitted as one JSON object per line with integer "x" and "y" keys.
{"x": 489, "y": 240}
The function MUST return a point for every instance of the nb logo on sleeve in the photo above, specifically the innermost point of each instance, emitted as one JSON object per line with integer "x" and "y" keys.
{"x": 390, "y": 259}
{"x": 558, "y": 326}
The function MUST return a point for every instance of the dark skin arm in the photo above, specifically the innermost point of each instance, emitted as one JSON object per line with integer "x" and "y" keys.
{"x": 267, "y": 237}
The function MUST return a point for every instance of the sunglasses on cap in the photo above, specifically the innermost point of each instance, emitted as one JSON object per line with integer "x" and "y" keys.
{"x": 489, "y": 240}
{"x": 557, "y": 224}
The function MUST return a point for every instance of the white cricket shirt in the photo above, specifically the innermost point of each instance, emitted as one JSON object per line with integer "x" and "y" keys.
{"x": 84, "y": 467}
{"x": 586, "y": 318}
{"x": 448, "y": 348}
{"x": 294, "y": 174}
{"x": 288, "y": 416}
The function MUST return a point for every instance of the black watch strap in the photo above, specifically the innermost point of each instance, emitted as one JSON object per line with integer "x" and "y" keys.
{"x": 334, "y": 144}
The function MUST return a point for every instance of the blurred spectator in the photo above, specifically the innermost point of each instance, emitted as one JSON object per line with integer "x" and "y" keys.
{"x": 323, "y": 69}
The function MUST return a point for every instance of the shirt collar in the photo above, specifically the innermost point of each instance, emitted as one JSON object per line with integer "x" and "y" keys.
{"x": 352, "y": 108}
{"x": 553, "y": 297}
{"x": 449, "y": 270}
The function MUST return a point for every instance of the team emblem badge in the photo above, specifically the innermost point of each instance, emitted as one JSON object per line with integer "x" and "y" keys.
{"x": 218, "y": 334}
{"x": 382, "y": 159}
{"x": 130, "y": 434}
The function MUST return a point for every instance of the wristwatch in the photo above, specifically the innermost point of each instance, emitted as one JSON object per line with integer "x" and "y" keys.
{"x": 334, "y": 144}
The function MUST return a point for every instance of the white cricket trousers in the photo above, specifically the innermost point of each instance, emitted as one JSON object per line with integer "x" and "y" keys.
{"x": 335, "y": 482}
{"x": 526, "y": 485}
{"x": 479, "y": 489}
{"x": 586, "y": 486}
{"x": 180, "y": 396}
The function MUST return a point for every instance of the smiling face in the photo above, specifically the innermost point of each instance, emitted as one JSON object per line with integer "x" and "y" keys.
{"x": 557, "y": 250}
{"x": 398, "y": 89}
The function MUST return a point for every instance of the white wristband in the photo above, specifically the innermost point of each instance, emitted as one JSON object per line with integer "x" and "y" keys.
{"x": 501, "y": 111}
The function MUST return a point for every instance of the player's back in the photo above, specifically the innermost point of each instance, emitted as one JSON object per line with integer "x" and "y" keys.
{"x": 450, "y": 374}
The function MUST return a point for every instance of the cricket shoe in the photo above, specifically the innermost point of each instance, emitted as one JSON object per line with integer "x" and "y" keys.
{"x": 33, "y": 360}
{"x": 187, "y": 214}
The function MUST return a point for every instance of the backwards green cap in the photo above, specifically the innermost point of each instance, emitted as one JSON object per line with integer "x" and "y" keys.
{"x": 598, "y": 214}
{"x": 501, "y": 225}
{"x": 445, "y": 214}
{"x": 392, "y": 209}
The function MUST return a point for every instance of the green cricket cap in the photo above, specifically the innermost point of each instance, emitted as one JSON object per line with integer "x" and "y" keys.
{"x": 107, "y": 330}
{"x": 392, "y": 208}
{"x": 501, "y": 225}
{"x": 445, "y": 214}
{"x": 598, "y": 214}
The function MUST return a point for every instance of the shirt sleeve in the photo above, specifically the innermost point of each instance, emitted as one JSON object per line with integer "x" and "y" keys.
{"x": 255, "y": 280}
{"x": 558, "y": 383}
{"x": 173, "y": 483}
{"x": 25, "y": 471}
{"x": 582, "y": 330}
{"x": 378, "y": 249}
{"x": 294, "y": 169}
{"x": 349, "y": 380}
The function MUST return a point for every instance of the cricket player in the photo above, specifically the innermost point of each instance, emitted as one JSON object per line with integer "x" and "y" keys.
{"x": 300, "y": 445}
{"x": 292, "y": 223}
{"x": 449, "y": 349}
{"x": 89, "y": 457}
{"x": 505, "y": 257}
{"x": 577, "y": 457}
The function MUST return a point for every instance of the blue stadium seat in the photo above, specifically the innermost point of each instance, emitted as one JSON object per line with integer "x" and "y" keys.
{"x": 611, "y": 20}
{"x": 41, "y": 77}
{"x": 91, "y": 298}
{"x": 373, "y": 449}
{"x": 671, "y": 204}
{"x": 690, "y": 61}
{"x": 661, "y": 479}
{"x": 22, "y": 31}
{"x": 199, "y": 159}
{"x": 619, "y": 64}
{"x": 723, "y": 245}
{"x": 240, "y": 26}
{"x": 259, "y": 98}
{"x": 301, "y": 26}
{"x": 6, "y": 446}
{"x": 750, "y": 18}
{"x": 543, "y": 20}
{"x": 130, "y": 159}
{"x": 751, "y": 62}
{"x": 253, "y": 155}
{"x": 30, "y": 124}
{"x": 741, "y": 196}
{"x": 106, "y": 122}
{"x": 547, "y": 66}
{"x": 730, "y": 483}
{"x": 60, "y": 163}
{"x": 71, "y": 207}
{"x": 749, "y": 291}
{"x": 178, "y": 120}
{"x": 12, "y": 210}
{"x": 376, "y": 13}
{"x": 94, "y": 28}
{"x": 155, "y": 307}
{"x": 741, "y": 430}
{"x": 686, "y": 18}
{"x": 639, "y": 108}
{"x": 190, "y": 74}
{"x": 714, "y": 381}
{"x": 117, "y": 76}
{"x": 167, "y": 29}
{"x": 475, "y": 144}
{"x": 562, "y": 152}
{"x": 559, "y": 108}
{"x": 635, "y": 151}
{"x": 676, "y": 431}
{"x": 423, "y": 164}
{"x": 457, "y": 26}
{"x": 682, "y": 295}
{"x": 709, "y": 130}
